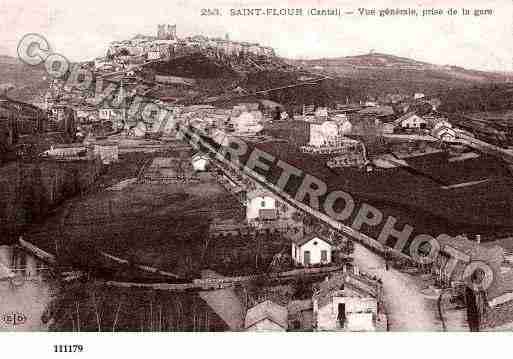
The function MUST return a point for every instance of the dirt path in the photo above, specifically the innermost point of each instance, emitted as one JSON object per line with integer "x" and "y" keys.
{"x": 225, "y": 303}
{"x": 406, "y": 307}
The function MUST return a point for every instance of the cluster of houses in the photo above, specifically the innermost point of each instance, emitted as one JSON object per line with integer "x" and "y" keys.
{"x": 328, "y": 126}
{"x": 327, "y": 137}
{"x": 432, "y": 124}
{"x": 243, "y": 119}
{"x": 345, "y": 301}
{"x": 166, "y": 44}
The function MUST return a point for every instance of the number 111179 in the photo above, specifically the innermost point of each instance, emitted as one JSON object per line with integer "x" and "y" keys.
{"x": 75, "y": 348}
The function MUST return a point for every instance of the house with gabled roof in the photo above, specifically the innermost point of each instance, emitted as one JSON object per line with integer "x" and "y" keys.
{"x": 444, "y": 133}
{"x": 261, "y": 205}
{"x": 266, "y": 316}
{"x": 311, "y": 249}
{"x": 200, "y": 161}
{"x": 410, "y": 120}
{"x": 345, "y": 305}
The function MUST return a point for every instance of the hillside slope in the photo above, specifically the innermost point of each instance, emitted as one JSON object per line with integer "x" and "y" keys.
{"x": 30, "y": 82}
{"x": 378, "y": 73}
{"x": 353, "y": 78}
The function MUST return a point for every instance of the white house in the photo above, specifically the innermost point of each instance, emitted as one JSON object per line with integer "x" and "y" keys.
{"x": 410, "y": 120}
{"x": 311, "y": 249}
{"x": 439, "y": 122}
{"x": 266, "y": 316}
{"x": 247, "y": 122}
{"x": 200, "y": 162}
{"x": 343, "y": 305}
{"x": 444, "y": 133}
{"x": 260, "y": 205}
{"x": 323, "y": 134}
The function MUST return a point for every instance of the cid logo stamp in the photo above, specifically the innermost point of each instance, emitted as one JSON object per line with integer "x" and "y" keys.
{"x": 13, "y": 319}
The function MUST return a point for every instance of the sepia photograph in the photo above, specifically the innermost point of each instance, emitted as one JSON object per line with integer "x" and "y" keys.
{"x": 170, "y": 168}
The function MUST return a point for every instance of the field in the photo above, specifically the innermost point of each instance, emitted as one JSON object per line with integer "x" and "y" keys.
{"x": 415, "y": 194}
{"x": 163, "y": 225}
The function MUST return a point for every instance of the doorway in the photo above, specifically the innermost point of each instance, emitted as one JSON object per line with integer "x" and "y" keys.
{"x": 306, "y": 258}
{"x": 341, "y": 316}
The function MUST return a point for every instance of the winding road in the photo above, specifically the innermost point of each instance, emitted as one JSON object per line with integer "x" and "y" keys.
{"x": 406, "y": 307}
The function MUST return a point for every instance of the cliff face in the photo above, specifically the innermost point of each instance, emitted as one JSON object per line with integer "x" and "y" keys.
{"x": 28, "y": 191}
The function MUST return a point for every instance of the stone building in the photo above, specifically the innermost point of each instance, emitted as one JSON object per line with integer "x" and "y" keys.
{"x": 344, "y": 303}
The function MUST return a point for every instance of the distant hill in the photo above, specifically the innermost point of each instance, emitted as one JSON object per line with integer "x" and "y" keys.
{"x": 30, "y": 82}
{"x": 378, "y": 73}
{"x": 352, "y": 78}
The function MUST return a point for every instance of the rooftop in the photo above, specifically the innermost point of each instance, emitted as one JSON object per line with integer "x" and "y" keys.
{"x": 301, "y": 239}
{"x": 267, "y": 310}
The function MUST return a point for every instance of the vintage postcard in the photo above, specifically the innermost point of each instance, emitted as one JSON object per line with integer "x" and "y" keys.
{"x": 255, "y": 166}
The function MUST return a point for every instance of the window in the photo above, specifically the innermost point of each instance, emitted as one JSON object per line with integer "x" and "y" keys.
{"x": 262, "y": 203}
{"x": 324, "y": 256}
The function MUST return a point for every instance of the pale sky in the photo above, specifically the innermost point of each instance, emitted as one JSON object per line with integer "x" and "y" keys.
{"x": 81, "y": 30}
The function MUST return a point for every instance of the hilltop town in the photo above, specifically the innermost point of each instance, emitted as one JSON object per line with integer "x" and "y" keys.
{"x": 126, "y": 181}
